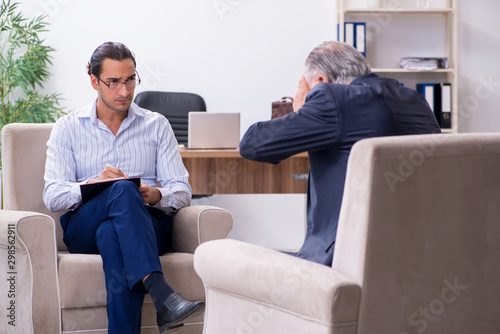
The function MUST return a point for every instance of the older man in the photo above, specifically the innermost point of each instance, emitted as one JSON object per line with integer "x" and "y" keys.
{"x": 338, "y": 102}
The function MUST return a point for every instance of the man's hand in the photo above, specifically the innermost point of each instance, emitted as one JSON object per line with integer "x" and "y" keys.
{"x": 151, "y": 195}
{"x": 109, "y": 172}
{"x": 300, "y": 95}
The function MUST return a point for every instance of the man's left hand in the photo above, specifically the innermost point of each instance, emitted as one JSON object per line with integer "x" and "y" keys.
{"x": 151, "y": 195}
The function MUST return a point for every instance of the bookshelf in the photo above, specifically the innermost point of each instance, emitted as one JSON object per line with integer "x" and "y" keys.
{"x": 402, "y": 18}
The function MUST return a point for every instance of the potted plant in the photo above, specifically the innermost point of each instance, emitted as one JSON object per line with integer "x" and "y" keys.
{"x": 24, "y": 67}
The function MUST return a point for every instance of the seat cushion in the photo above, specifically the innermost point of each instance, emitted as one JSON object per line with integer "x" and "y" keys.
{"x": 81, "y": 279}
{"x": 94, "y": 320}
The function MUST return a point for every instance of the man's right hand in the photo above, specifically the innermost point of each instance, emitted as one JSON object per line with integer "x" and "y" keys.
{"x": 109, "y": 172}
{"x": 300, "y": 96}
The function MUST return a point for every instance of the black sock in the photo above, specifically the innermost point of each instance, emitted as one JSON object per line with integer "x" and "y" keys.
{"x": 158, "y": 289}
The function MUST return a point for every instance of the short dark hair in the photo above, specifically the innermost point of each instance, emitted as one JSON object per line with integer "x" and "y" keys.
{"x": 111, "y": 50}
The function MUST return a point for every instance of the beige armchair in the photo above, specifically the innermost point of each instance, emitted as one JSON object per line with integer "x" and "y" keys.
{"x": 58, "y": 292}
{"x": 418, "y": 250}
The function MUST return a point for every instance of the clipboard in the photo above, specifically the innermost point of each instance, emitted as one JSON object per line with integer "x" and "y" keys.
{"x": 90, "y": 190}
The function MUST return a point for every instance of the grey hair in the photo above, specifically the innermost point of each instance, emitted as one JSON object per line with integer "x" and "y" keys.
{"x": 339, "y": 62}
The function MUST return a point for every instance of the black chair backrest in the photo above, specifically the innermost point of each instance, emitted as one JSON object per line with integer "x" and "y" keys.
{"x": 174, "y": 106}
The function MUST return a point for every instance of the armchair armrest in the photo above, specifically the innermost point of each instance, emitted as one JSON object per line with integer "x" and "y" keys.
{"x": 30, "y": 241}
{"x": 194, "y": 225}
{"x": 272, "y": 292}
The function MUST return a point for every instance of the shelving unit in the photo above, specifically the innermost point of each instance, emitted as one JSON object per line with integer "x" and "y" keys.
{"x": 346, "y": 12}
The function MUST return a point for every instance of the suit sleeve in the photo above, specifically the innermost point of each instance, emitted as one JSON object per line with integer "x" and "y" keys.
{"x": 313, "y": 127}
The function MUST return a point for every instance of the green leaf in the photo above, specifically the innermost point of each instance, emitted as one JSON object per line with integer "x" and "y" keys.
{"x": 24, "y": 68}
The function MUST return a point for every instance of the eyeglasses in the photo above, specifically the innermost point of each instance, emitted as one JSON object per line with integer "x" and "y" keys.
{"x": 115, "y": 84}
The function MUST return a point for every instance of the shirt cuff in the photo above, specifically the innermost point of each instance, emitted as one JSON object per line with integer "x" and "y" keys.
{"x": 167, "y": 202}
{"x": 76, "y": 195}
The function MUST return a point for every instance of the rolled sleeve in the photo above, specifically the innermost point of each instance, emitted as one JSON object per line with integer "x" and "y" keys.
{"x": 174, "y": 197}
{"x": 171, "y": 172}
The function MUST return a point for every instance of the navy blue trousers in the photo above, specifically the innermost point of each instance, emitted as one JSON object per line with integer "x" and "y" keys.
{"x": 129, "y": 237}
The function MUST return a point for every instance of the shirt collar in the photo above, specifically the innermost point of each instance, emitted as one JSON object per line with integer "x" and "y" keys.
{"x": 90, "y": 112}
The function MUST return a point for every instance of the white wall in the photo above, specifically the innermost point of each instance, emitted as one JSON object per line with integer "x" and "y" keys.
{"x": 479, "y": 67}
{"x": 241, "y": 55}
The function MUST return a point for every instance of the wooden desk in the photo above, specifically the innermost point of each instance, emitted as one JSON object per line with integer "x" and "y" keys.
{"x": 227, "y": 172}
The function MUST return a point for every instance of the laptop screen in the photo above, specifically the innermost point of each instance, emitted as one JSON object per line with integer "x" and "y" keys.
{"x": 208, "y": 130}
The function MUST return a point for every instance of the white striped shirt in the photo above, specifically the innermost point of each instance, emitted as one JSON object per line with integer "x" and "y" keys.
{"x": 80, "y": 146}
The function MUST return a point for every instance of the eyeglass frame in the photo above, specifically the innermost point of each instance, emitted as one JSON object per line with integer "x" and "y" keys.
{"x": 138, "y": 82}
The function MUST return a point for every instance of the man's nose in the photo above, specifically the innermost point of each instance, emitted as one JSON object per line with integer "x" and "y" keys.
{"x": 123, "y": 91}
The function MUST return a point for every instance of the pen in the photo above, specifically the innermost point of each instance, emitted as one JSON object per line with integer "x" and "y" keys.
{"x": 109, "y": 165}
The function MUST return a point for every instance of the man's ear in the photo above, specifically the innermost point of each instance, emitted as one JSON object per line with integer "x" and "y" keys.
{"x": 94, "y": 81}
{"x": 322, "y": 78}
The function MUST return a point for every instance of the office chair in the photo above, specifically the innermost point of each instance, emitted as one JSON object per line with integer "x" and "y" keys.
{"x": 174, "y": 106}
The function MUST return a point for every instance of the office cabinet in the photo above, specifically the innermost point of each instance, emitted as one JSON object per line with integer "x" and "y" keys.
{"x": 408, "y": 28}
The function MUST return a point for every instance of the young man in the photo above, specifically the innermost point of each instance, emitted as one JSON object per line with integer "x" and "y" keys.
{"x": 338, "y": 102}
{"x": 127, "y": 225}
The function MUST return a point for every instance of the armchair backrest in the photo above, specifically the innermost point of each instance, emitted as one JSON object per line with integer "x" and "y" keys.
{"x": 24, "y": 150}
{"x": 174, "y": 106}
{"x": 419, "y": 231}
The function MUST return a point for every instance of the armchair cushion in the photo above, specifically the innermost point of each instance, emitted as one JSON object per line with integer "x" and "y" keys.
{"x": 91, "y": 292}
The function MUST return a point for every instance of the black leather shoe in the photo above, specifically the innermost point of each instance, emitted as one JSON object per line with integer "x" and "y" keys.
{"x": 175, "y": 311}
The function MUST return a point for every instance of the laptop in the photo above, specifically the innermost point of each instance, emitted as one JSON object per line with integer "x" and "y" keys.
{"x": 207, "y": 130}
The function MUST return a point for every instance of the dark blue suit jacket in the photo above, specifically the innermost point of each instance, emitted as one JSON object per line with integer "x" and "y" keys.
{"x": 333, "y": 118}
